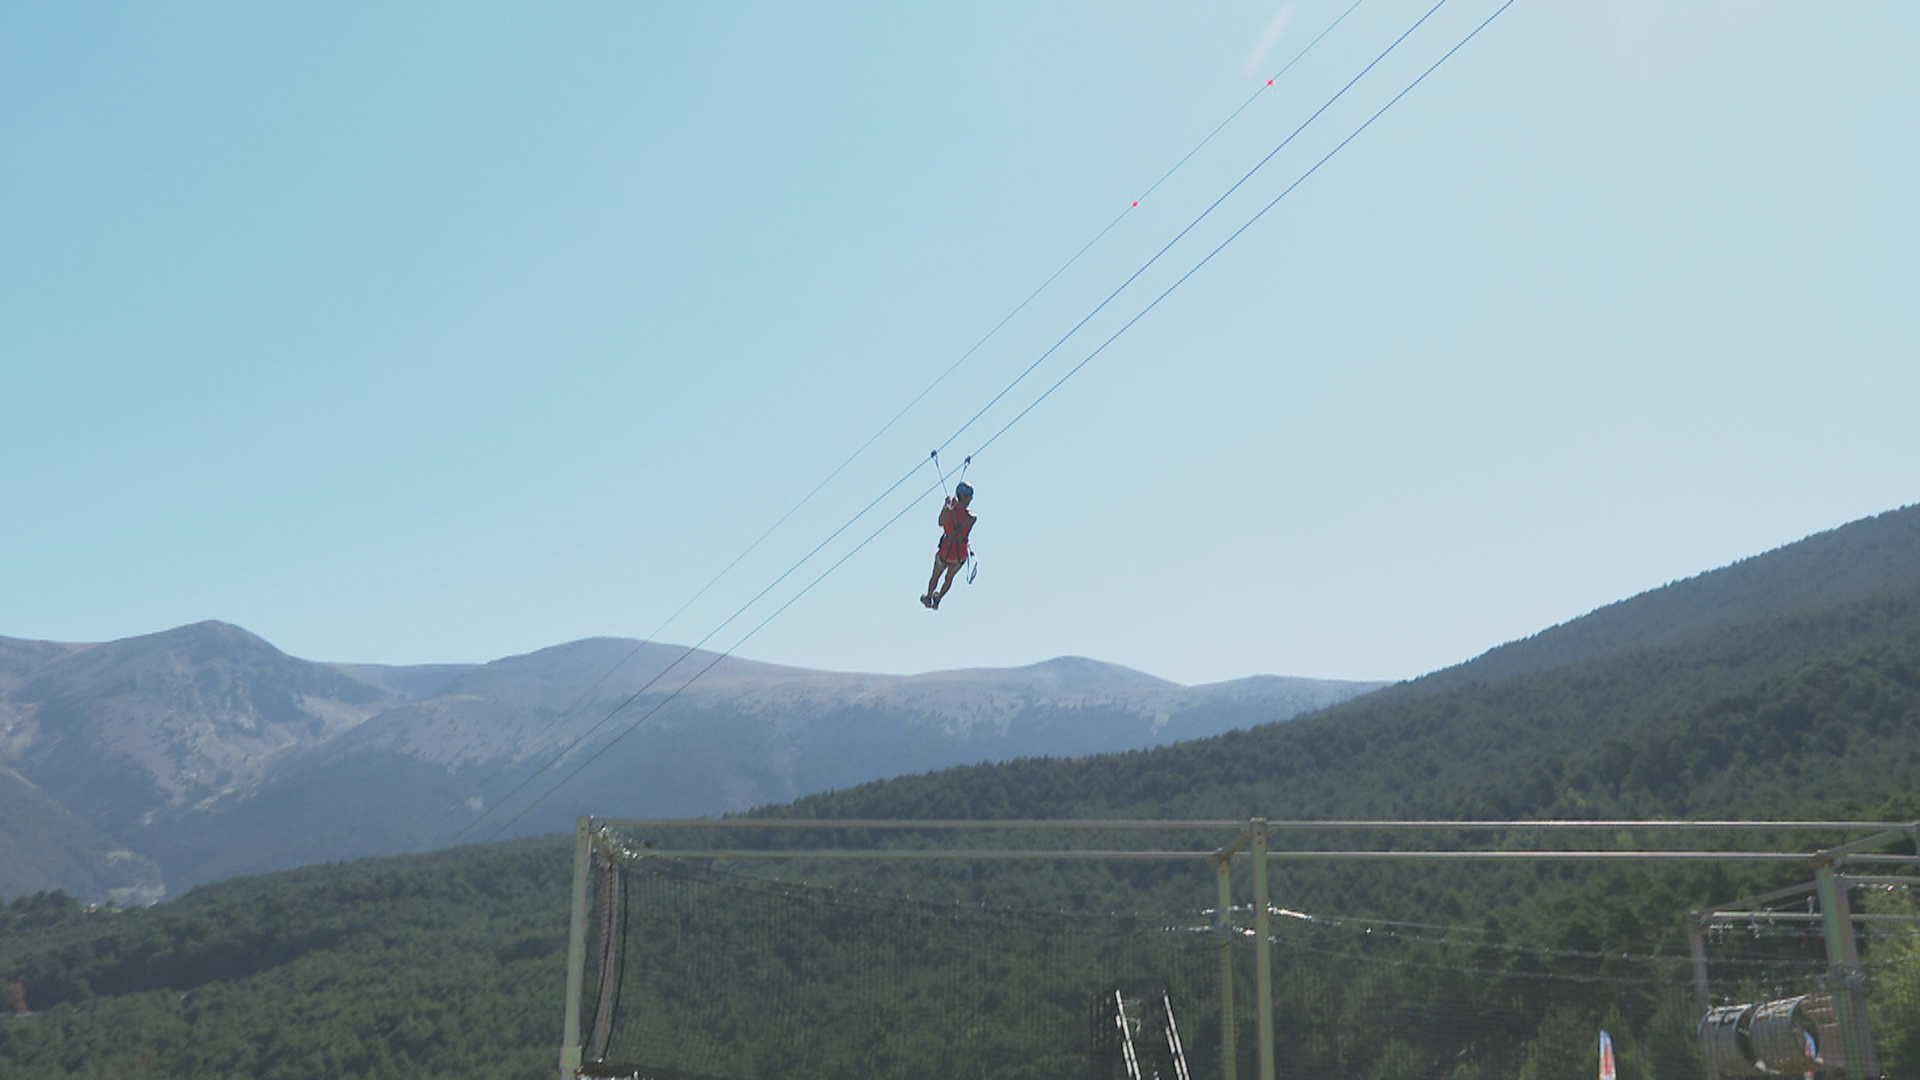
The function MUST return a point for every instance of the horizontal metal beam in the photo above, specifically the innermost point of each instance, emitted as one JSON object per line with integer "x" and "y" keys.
{"x": 1897, "y": 834}
{"x": 1881, "y": 832}
{"x": 949, "y": 825}
{"x": 1294, "y": 825}
{"x": 1582, "y": 824}
{"x": 1802, "y": 889}
{"x": 1805, "y": 916}
{"x": 1805, "y": 888}
{"x": 1017, "y": 854}
{"x": 1535, "y": 856}
{"x": 903, "y": 854}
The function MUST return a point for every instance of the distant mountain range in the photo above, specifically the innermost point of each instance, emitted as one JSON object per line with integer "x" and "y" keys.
{"x": 133, "y": 768}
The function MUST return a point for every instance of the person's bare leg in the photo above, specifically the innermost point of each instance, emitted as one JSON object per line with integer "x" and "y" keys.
{"x": 952, "y": 569}
{"x": 938, "y": 565}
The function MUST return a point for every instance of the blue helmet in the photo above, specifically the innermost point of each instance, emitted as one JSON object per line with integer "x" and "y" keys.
{"x": 964, "y": 491}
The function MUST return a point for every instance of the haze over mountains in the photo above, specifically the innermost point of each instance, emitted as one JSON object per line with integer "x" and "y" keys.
{"x": 134, "y": 768}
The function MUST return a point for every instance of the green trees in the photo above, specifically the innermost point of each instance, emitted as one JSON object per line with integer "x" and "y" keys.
{"x": 392, "y": 968}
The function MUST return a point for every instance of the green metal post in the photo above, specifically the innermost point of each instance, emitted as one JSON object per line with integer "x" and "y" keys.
{"x": 576, "y": 948}
{"x": 1697, "y": 945}
{"x": 1223, "y": 919}
{"x": 1263, "y": 950}
{"x": 1843, "y": 962}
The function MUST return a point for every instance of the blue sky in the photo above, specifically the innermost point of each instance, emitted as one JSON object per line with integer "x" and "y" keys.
{"x": 437, "y": 332}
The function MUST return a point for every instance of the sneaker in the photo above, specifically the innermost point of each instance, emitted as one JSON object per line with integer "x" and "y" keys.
{"x": 926, "y": 602}
{"x": 936, "y": 604}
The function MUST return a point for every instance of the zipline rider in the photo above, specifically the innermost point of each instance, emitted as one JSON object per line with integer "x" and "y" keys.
{"x": 956, "y": 524}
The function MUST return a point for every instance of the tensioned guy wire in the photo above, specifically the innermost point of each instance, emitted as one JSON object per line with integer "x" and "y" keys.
{"x": 922, "y": 395}
{"x": 1262, "y": 163}
{"x": 1264, "y": 87}
{"x": 997, "y": 434}
{"x": 691, "y": 649}
{"x": 661, "y": 704}
{"x": 1237, "y": 232}
{"x": 969, "y": 423}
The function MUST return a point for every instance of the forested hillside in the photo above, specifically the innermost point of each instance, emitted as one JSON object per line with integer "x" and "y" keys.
{"x": 1858, "y": 561}
{"x": 1807, "y": 710}
{"x": 433, "y": 965}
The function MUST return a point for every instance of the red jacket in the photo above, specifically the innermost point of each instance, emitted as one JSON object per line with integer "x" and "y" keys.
{"x": 956, "y": 522}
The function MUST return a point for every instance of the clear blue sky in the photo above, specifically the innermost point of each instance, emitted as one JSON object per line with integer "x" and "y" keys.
{"x": 443, "y": 332}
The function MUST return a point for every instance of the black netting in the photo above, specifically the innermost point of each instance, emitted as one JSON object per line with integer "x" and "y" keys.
{"x": 729, "y": 976}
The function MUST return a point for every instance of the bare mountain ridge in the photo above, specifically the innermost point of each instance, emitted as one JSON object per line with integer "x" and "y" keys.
{"x": 527, "y": 706}
{"x": 1872, "y": 556}
{"x": 202, "y": 751}
{"x": 198, "y": 711}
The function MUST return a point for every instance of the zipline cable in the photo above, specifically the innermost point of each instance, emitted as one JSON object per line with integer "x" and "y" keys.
{"x": 922, "y": 395}
{"x": 1009, "y": 388}
{"x": 661, "y": 704}
{"x": 1264, "y": 87}
{"x": 997, "y": 327}
{"x": 595, "y": 755}
{"x": 690, "y": 650}
{"x": 1237, "y": 232}
{"x": 1262, "y": 163}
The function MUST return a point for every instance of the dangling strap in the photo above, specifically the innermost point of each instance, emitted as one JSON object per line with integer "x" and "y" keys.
{"x": 965, "y": 463}
{"x": 943, "y": 476}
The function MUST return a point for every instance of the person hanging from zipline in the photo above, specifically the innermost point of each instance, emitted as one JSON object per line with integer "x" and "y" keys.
{"x": 956, "y": 524}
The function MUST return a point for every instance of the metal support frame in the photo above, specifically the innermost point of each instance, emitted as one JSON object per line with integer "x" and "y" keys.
{"x": 1223, "y": 924}
{"x": 1254, "y": 834}
{"x": 611, "y": 895}
{"x": 1831, "y": 890}
{"x": 1697, "y": 945}
{"x": 1844, "y": 979}
{"x": 1263, "y": 949}
{"x": 576, "y": 948}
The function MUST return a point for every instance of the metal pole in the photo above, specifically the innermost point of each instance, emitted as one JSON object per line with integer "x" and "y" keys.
{"x": 1223, "y": 869}
{"x": 610, "y": 899}
{"x": 1263, "y": 951}
{"x": 1697, "y": 942}
{"x": 1843, "y": 962}
{"x": 576, "y": 948}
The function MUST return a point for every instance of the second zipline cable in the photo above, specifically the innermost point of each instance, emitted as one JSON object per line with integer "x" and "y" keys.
{"x": 992, "y": 439}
